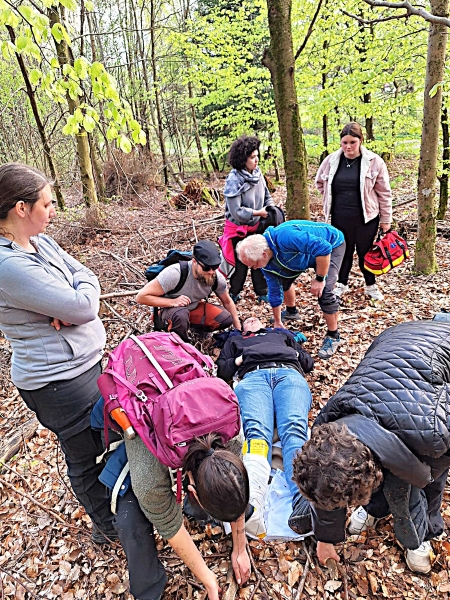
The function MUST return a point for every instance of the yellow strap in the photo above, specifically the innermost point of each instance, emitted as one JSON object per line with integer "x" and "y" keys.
{"x": 260, "y": 447}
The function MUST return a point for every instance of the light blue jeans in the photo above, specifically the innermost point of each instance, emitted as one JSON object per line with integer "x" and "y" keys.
{"x": 280, "y": 397}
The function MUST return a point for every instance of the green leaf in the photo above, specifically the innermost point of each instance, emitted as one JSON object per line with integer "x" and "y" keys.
{"x": 78, "y": 115}
{"x": 81, "y": 67}
{"x": 59, "y": 33}
{"x": 88, "y": 5}
{"x": 88, "y": 123}
{"x": 27, "y": 13}
{"x": 97, "y": 69}
{"x": 434, "y": 89}
{"x": 111, "y": 133}
{"x": 70, "y": 4}
{"x": 54, "y": 63}
{"x": 21, "y": 43}
{"x": 142, "y": 138}
{"x": 35, "y": 76}
{"x": 124, "y": 144}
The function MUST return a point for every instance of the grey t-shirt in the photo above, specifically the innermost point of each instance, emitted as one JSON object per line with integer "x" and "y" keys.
{"x": 196, "y": 291}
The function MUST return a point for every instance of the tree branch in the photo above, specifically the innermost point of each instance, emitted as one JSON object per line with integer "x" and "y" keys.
{"x": 372, "y": 21}
{"x": 410, "y": 11}
{"x": 309, "y": 32}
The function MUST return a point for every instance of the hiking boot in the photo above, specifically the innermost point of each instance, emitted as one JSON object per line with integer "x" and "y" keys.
{"x": 329, "y": 347}
{"x": 262, "y": 299}
{"x": 340, "y": 289}
{"x": 300, "y": 520}
{"x": 286, "y": 316}
{"x": 419, "y": 560}
{"x": 374, "y": 292}
{"x": 104, "y": 537}
{"x": 235, "y": 297}
{"x": 360, "y": 520}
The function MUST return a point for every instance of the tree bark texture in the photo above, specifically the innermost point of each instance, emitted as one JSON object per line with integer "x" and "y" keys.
{"x": 425, "y": 257}
{"x": 279, "y": 59}
{"x": 443, "y": 187}
{"x": 82, "y": 141}
{"x": 39, "y": 123}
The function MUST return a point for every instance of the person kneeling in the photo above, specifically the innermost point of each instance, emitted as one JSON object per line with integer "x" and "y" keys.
{"x": 270, "y": 365}
{"x": 382, "y": 441}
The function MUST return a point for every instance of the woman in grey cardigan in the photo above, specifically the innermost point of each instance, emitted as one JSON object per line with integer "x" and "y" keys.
{"x": 48, "y": 312}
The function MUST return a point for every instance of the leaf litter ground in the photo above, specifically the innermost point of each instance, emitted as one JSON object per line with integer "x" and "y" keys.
{"x": 46, "y": 550}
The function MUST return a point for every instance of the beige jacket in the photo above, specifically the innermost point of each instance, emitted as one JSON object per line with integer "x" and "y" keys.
{"x": 376, "y": 192}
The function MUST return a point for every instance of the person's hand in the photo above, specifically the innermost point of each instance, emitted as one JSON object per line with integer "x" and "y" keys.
{"x": 260, "y": 213}
{"x": 238, "y": 360}
{"x": 181, "y": 301}
{"x": 212, "y": 586}
{"x": 317, "y": 287}
{"x": 56, "y": 323}
{"x": 326, "y": 551}
{"x": 384, "y": 227}
{"x": 241, "y": 566}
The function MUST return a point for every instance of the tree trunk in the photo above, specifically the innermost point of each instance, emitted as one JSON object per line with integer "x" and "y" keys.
{"x": 443, "y": 188}
{"x": 37, "y": 118}
{"x": 97, "y": 166}
{"x": 83, "y": 149}
{"x": 198, "y": 141}
{"x": 279, "y": 59}
{"x": 425, "y": 257}
{"x": 156, "y": 91}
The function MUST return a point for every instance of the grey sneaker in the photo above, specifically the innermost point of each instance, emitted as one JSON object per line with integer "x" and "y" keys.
{"x": 419, "y": 560}
{"x": 374, "y": 292}
{"x": 329, "y": 347}
{"x": 340, "y": 289}
{"x": 286, "y": 316}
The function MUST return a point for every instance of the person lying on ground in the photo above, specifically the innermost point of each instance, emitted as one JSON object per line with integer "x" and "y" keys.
{"x": 383, "y": 442}
{"x": 285, "y": 251}
{"x": 188, "y": 307}
{"x": 270, "y": 365}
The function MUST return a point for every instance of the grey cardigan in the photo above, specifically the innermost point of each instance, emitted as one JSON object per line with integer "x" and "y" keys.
{"x": 36, "y": 287}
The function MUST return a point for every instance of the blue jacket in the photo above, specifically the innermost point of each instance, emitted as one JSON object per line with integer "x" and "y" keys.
{"x": 295, "y": 246}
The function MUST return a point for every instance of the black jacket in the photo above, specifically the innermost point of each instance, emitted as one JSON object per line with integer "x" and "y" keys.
{"x": 397, "y": 402}
{"x": 267, "y": 345}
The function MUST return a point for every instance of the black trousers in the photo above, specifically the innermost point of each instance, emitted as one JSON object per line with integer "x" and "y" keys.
{"x": 147, "y": 574}
{"x": 239, "y": 276}
{"x": 65, "y": 407}
{"x": 357, "y": 235}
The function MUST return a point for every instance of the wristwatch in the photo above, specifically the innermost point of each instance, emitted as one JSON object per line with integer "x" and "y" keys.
{"x": 321, "y": 277}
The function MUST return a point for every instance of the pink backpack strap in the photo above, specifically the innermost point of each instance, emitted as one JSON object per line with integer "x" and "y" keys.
{"x": 136, "y": 391}
{"x": 199, "y": 357}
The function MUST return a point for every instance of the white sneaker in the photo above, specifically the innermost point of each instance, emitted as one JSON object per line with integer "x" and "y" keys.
{"x": 360, "y": 520}
{"x": 340, "y": 289}
{"x": 374, "y": 292}
{"x": 419, "y": 560}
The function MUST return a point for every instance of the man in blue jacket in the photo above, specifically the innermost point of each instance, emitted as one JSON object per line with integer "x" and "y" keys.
{"x": 283, "y": 253}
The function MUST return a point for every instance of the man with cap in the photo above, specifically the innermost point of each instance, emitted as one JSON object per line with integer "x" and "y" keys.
{"x": 188, "y": 306}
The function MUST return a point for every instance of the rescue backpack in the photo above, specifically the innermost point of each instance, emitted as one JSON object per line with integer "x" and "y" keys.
{"x": 387, "y": 252}
{"x": 169, "y": 393}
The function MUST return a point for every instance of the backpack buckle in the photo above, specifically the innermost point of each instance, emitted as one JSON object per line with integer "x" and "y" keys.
{"x": 141, "y": 396}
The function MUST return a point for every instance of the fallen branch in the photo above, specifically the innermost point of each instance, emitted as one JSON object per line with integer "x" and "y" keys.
{"x": 19, "y": 582}
{"x": 231, "y": 592}
{"x": 301, "y": 585}
{"x": 13, "y": 443}
{"x": 118, "y": 294}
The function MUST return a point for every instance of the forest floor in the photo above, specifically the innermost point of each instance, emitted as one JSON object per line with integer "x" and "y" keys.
{"x": 46, "y": 549}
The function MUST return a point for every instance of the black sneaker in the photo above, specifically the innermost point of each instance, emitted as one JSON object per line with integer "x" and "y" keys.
{"x": 104, "y": 537}
{"x": 287, "y": 316}
{"x": 300, "y": 520}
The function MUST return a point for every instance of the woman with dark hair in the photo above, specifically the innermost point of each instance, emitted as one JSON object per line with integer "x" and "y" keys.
{"x": 48, "y": 312}
{"x": 354, "y": 183}
{"x": 246, "y": 202}
{"x": 216, "y": 478}
{"x": 382, "y": 442}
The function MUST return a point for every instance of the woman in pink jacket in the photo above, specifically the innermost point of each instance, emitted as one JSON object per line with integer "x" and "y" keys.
{"x": 354, "y": 183}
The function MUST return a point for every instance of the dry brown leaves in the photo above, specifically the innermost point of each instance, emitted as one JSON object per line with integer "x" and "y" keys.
{"x": 41, "y": 557}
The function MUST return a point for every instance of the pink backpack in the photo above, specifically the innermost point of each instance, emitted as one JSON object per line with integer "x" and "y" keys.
{"x": 166, "y": 389}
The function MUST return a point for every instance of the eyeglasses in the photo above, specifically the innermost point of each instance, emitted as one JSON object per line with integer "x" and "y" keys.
{"x": 206, "y": 268}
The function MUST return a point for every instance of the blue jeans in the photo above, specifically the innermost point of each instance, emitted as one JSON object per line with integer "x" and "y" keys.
{"x": 276, "y": 396}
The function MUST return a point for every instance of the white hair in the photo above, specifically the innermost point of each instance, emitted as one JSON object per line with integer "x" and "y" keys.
{"x": 252, "y": 247}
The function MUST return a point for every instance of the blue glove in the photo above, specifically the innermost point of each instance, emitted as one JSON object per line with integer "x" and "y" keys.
{"x": 300, "y": 337}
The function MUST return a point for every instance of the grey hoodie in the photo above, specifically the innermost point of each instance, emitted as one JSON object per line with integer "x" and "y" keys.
{"x": 36, "y": 287}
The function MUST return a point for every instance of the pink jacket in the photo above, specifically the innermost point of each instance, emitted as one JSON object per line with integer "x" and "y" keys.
{"x": 375, "y": 189}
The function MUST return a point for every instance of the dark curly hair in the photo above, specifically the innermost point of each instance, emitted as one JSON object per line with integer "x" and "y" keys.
{"x": 221, "y": 480}
{"x": 334, "y": 469}
{"x": 241, "y": 149}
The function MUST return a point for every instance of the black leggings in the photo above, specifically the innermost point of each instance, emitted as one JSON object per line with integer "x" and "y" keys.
{"x": 360, "y": 235}
{"x": 239, "y": 276}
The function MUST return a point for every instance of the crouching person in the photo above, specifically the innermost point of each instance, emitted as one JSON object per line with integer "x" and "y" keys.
{"x": 383, "y": 442}
{"x": 270, "y": 365}
{"x": 145, "y": 502}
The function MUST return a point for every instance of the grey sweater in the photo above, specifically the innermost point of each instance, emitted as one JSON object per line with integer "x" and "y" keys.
{"x": 36, "y": 287}
{"x": 152, "y": 486}
{"x": 239, "y": 209}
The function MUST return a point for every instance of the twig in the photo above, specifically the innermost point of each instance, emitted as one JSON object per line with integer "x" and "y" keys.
{"x": 301, "y": 585}
{"x": 405, "y": 202}
{"x": 119, "y": 294}
{"x": 195, "y": 233}
{"x": 18, "y": 581}
{"x": 343, "y": 571}
{"x": 308, "y": 556}
{"x": 127, "y": 321}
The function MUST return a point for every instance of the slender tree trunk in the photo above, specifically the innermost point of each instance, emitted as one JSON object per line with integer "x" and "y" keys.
{"x": 425, "y": 257}
{"x": 443, "y": 188}
{"x": 83, "y": 149}
{"x": 279, "y": 59}
{"x": 198, "y": 141}
{"x": 97, "y": 166}
{"x": 156, "y": 92}
{"x": 37, "y": 118}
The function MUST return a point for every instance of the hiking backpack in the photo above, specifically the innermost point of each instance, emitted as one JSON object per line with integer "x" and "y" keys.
{"x": 183, "y": 257}
{"x": 166, "y": 389}
{"x": 387, "y": 252}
